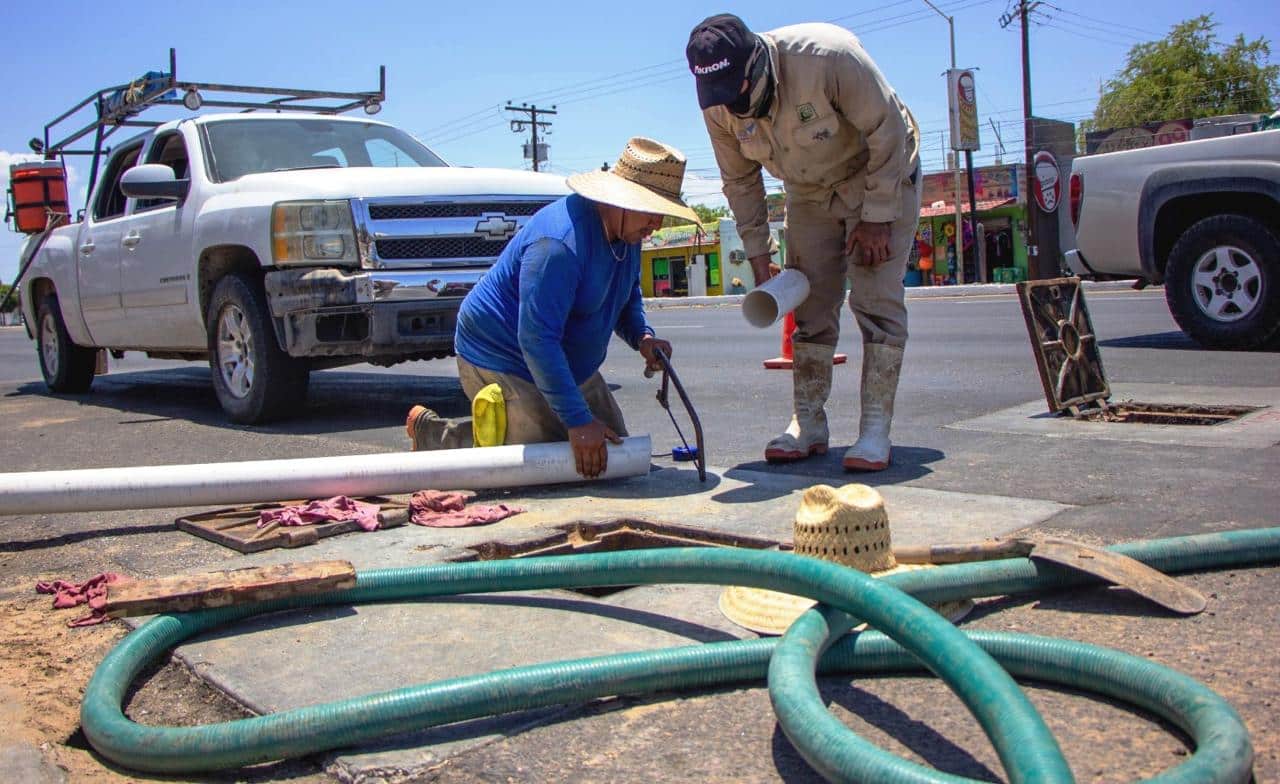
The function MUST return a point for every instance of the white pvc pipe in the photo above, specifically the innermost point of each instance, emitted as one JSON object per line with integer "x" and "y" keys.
{"x": 258, "y": 481}
{"x": 778, "y": 296}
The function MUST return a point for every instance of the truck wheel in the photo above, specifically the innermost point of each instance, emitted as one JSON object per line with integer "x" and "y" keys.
{"x": 254, "y": 379}
{"x": 65, "y": 366}
{"x": 1222, "y": 283}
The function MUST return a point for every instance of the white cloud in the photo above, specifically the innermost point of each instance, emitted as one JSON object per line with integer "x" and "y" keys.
{"x": 10, "y": 240}
{"x": 7, "y": 159}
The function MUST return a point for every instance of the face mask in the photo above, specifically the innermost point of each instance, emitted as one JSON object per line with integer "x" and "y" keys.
{"x": 758, "y": 98}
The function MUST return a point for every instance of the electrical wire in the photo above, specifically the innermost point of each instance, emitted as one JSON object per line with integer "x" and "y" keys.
{"x": 1109, "y": 22}
{"x": 618, "y": 82}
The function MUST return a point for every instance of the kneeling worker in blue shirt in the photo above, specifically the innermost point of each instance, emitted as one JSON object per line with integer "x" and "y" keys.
{"x": 538, "y": 324}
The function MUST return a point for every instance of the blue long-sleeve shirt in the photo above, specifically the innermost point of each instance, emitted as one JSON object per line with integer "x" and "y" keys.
{"x": 546, "y": 309}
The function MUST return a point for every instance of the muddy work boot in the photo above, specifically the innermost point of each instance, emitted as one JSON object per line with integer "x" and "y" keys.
{"x": 811, "y": 384}
{"x": 428, "y": 430}
{"x": 881, "y": 366}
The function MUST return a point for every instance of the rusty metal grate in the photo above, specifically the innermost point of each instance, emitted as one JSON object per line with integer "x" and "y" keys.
{"x": 1064, "y": 342}
{"x": 1165, "y": 413}
{"x": 618, "y": 535}
{"x": 1070, "y": 364}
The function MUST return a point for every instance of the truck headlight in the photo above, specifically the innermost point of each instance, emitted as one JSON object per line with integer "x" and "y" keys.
{"x": 307, "y": 232}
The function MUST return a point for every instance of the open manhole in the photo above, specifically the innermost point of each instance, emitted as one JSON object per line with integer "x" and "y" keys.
{"x": 1164, "y": 413}
{"x": 1070, "y": 365}
{"x": 578, "y": 538}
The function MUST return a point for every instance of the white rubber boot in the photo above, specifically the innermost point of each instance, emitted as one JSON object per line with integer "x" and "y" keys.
{"x": 881, "y": 366}
{"x": 811, "y": 384}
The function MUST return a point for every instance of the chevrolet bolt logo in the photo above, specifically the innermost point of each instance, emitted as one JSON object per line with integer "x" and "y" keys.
{"x": 496, "y": 226}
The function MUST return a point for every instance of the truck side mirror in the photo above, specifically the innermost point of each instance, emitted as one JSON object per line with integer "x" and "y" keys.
{"x": 153, "y": 181}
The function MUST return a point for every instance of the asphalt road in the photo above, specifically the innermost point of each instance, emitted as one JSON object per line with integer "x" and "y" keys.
{"x": 968, "y": 356}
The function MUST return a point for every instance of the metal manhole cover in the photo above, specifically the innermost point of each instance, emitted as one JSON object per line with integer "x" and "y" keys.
{"x": 1131, "y": 412}
{"x": 1064, "y": 342}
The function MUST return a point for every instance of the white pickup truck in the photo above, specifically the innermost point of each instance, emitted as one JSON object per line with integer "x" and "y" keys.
{"x": 1201, "y": 217}
{"x": 270, "y": 245}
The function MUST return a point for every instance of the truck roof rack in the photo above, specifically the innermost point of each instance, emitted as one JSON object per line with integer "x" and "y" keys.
{"x": 118, "y": 106}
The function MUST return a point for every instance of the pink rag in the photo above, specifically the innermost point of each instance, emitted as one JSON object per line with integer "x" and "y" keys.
{"x": 93, "y": 591}
{"x": 439, "y": 509}
{"x": 333, "y": 510}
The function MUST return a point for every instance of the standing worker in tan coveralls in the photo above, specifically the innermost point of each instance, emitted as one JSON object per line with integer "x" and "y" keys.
{"x": 807, "y": 104}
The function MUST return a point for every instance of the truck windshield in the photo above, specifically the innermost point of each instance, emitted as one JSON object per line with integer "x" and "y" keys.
{"x": 239, "y": 146}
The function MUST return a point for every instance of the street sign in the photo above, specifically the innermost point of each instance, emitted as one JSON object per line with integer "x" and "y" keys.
{"x": 1046, "y": 183}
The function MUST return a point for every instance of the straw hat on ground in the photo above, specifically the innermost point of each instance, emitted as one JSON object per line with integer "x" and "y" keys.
{"x": 647, "y": 178}
{"x": 847, "y": 526}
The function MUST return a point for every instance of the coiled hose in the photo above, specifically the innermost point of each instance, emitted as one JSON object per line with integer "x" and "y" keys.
{"x": 1026, "y": 749}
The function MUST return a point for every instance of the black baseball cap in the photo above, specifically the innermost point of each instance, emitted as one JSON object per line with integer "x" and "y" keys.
{"x": 719, "y": 49}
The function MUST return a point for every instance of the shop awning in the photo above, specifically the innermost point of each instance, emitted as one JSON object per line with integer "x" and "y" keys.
{"x": 950, "y": 208}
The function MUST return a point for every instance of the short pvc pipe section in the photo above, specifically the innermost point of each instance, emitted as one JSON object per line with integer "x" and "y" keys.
{"x": 1223, "y": 753}
{"x": 255, "y": 481}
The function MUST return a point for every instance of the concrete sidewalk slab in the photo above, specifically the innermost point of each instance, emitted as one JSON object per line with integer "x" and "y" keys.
{"x": 307, "y": 657}
{"x": 1258, "y": 430}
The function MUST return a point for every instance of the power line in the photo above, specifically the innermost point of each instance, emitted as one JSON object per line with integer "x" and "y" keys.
{"x": 1108, "y": 22}
{"x": 482, "y": 129}
{"x": 440, "y": 129}
{"x": 1097, "y": 39}
{"x": 617, "y": 82}
{"x": 1132, "y": 39}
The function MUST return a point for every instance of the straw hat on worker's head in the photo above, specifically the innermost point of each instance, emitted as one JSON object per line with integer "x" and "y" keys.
{"x": 846, "y": 525}
{"x": 647, "y": 178}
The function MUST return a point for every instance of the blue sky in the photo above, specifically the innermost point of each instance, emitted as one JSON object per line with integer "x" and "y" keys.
{"x": 613, "y": 70}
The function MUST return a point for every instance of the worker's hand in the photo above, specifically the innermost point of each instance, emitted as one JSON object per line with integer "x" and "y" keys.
{"x": 649, "y": 345}
{"x": 590, "y": 455}
{"x": 873, "y": 240}
{"x": 763, "y": 268}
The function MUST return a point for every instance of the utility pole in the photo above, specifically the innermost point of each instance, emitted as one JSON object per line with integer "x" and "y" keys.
{"x": 533, "y": 124}
{"x": 1028, "y": 139}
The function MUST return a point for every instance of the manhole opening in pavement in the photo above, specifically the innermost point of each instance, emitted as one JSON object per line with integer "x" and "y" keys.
{"x": 1165, "y": 413}
{"x": 615, "y": 536}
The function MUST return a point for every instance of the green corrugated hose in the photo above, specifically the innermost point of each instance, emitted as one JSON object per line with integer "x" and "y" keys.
{"x": 1026, "y": 749}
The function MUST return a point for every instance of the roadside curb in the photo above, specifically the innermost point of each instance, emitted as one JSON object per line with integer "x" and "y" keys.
{"x": 915, "y": 292}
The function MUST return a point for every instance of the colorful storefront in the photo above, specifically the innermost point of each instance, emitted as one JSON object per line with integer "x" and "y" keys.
{"x": 999, "y": 255}
{"x": 680, "y": 261}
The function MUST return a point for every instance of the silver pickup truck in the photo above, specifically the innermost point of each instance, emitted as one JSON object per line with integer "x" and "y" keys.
{"x": 1201, "y": 217}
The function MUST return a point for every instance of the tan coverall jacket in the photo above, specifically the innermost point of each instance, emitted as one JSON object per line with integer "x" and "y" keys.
{"x": 846, "y": 149}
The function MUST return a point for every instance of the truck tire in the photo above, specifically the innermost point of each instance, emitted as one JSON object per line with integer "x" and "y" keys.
{"x": 255, "y": 380}
{"x": 66, "y": 367}
{"x": 1222, "y": 283}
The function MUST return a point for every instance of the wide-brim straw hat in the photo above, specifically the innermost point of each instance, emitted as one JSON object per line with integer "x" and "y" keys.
{"x": 848, "y": 526}
{"x": 648, "y": 177}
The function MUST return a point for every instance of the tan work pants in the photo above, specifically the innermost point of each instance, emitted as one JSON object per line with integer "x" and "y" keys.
{"x": 816, "y": 235}
{"x": 530, "y": 420}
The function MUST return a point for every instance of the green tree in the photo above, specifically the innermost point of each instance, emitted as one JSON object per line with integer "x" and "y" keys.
{"x": 705, "y": 215}
{"x": 1189, "y": 74}
{"x": 709, "y": 214}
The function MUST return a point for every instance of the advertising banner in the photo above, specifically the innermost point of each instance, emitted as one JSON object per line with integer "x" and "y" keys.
{"x": 1137, "y": 137}
{"x": 962, "y": 103}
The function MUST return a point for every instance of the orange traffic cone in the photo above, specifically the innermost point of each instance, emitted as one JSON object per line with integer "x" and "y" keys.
{"x": 784, "y": 362}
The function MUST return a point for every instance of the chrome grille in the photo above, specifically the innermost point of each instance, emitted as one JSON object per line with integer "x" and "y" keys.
{"x": 439, "y": 248}
{"x": 414, "y": 232}
{"x": 460, "y": 210}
